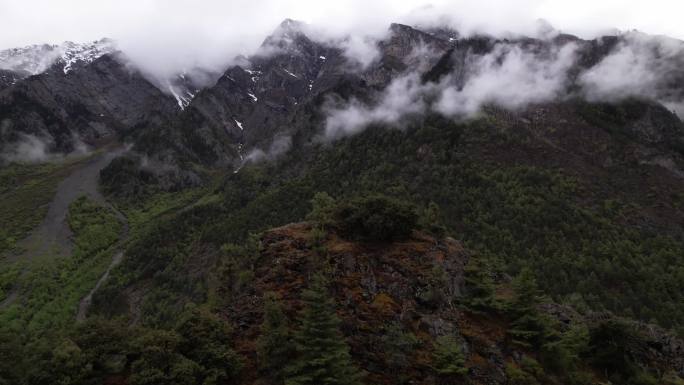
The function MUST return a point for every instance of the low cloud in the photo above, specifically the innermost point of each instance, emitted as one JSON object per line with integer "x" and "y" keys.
{"x": 279, "y": 146}
{"x": 511, "y": 78}
{"x": 507, "y": 76}
{"x": 640, "y": 66}
{"x": 34, "y": 149}
{"x": 29, "y": 148}
{"x": 405, "y": 96}
{"x": 360, "y": 50}
{"x": 165, "y": 37}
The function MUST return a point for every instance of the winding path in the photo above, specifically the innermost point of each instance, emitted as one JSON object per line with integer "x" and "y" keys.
{"x": 84, "y": 305}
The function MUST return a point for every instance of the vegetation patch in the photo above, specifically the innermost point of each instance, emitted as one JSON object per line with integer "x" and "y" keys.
{"x": 49, "y": 290}
{"x": 25, "y": 193}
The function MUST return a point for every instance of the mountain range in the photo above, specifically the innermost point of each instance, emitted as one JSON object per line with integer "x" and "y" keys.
{"x": 427, "y": 207}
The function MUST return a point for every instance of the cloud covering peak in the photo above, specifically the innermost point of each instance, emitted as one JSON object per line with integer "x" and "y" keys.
{"x": 167, "y": 36}
{"x": 508, "y": 76}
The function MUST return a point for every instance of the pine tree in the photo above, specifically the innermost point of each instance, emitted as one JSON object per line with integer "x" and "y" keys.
{"x": 479, "y": 286}
{"x": 430, "y": 220}
{"x": 206, "y": 342}
{"x": 528, "y": 328}
{"x": 274, "y": 346}
{"x": 322, "y": 353}
{"x": 448, "y": 357}
{"x": 322, "y": 208}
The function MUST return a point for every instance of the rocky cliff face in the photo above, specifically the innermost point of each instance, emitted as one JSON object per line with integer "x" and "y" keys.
{"x": 279, "y": 92}
{"x": 92, "y": 103}
{"x": 254, "y": 101}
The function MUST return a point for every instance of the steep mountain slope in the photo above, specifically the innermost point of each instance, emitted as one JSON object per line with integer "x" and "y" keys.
{"x": 93, "y": 103}
{"x": 289, "y": 88}
{"x": 275, "y": 94}
{"x": 64, "y": 95}
{"x": 251, "y": 103}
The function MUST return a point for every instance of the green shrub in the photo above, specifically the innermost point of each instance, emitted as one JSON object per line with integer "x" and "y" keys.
{"x": 376, "y": 218}
{"x": 322, "y": 209}
{"x": 448, "y": 357}
{"x": 322, "y": 354}
{"x": 274, "y": 346}
{"x": 398, "y": 345}
{"x": 613, "y": 348}
{"x": 517, "y": 376}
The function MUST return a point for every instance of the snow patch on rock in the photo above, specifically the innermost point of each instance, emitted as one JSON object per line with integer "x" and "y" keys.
{"x": 36, "y": 59}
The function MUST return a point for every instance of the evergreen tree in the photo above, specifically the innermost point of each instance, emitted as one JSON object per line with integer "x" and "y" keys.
{"x": 158, "y": 361}
{"x": 479, "y": 285}
{"x": 322, "y": 354}
{"x": 431, "y": 221}
{"x": 274, "y": 346}
{"x": 206, "y": 342}
{"x": 376, "y": 218}
{"x": 613, "y": 347}
{"x": 529, "y": 327}
{"x": 398, "y": 346}
{"x": 448, "y": 356}
{"x": 322, "y": 209}
{"x": 563, "y": 355}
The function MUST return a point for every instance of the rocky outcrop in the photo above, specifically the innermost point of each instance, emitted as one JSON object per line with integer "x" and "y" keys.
{"x": 409, "y": 285}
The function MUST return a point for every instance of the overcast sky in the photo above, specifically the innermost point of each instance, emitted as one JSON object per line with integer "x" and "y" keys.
{"x": 214, "y": 30}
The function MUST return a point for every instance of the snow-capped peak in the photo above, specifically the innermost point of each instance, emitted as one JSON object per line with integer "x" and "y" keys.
{"x": 73, "y": 53}
{"x": 35, "y": 59}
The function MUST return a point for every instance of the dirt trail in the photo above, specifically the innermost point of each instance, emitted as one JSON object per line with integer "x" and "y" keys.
{"x": 52, "y": 238}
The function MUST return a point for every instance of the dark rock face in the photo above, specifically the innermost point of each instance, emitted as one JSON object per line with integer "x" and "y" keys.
{"x": 255, "y": 100}
{"x": 93, "y": 103}
{"x": 279, "y": 92}
{"x": 406, "y": 49}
